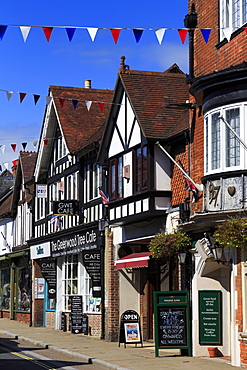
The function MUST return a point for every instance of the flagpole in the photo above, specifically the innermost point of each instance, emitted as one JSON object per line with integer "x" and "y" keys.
{"x": 234, "y": 133}
{"x": 173, "y": 160}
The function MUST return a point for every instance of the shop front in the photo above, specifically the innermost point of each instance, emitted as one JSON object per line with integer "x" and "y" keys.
{"x": 66, "y": 266}
{"x": 15, "y": 286}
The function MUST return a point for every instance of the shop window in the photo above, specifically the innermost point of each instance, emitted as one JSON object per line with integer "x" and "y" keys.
{"x": 233, "y": 15}
{"x": 116, "y": 178}
{"x": 24, "y": 289}
{"x": 4, "y": 289}
{"x": 222, "y": 146}
{"x": 70, "y": 279}
{"x": 140, "y": 169}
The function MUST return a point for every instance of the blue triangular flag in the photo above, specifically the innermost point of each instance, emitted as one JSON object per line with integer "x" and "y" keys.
{"x": 2, "y": 31}
{"x": 1, "y": 168}
{"x": 137, "y": 34}
{"x": 75, "y": 102}
{"x": 70, "y": 33}
{"x": 206, "y": 33}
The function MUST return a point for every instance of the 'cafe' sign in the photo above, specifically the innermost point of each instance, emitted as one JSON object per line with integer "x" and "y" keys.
{"x": 75, "y": 243}
{"x": 65, "y": 207}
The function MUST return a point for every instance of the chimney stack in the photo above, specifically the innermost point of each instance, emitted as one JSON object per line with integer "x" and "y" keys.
{"x": 87, "y": 84}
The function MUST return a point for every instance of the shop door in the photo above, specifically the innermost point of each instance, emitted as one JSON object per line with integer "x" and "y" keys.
{"x": 49, "y": 305}
{"x": 152, "y": 285}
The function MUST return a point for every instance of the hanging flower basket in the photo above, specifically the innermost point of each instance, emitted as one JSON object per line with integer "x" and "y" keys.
{"x": 165, "y": 245}
{"x": 232, "y": 233}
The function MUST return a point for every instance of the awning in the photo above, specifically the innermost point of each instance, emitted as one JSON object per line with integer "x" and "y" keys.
{"x": 134, "y": 260}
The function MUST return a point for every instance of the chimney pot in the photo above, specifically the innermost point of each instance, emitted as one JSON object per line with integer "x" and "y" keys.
{"x": 87, "y": 84}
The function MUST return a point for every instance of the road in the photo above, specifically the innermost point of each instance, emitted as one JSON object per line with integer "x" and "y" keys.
{"x": 22, "y": 355}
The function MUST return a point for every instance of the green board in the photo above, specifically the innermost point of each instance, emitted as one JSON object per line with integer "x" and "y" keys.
{"x": 210, "y": 317}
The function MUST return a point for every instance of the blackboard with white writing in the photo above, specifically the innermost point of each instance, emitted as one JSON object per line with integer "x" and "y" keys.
{"x": 172, "y": 326}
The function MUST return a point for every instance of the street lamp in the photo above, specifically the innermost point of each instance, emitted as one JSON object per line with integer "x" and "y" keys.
{"x": 182, "y": 253}
{"x": 217, "y": 251}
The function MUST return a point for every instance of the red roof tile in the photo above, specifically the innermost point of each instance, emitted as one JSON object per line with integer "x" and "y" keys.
{"x": 79, "y": 125}
{"x": 150, "y": 93}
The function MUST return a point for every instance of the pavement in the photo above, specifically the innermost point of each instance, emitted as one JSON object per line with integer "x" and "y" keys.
{"x": 109, "y": 354}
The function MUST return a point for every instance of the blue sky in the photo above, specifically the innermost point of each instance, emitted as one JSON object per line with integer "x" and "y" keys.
{"x": 32, "y": 66}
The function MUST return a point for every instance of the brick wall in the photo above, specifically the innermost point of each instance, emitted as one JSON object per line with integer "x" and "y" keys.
{"x": 50, "y": 319}
{"x": 23, "y": 317}
{"x": 112, "y": 283}
{"x": 94, "y": 324}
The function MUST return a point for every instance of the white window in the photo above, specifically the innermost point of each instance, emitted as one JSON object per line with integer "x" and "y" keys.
{"x": 61, "y": 148}
{"x": 233, "y": 14}
{"x": 75, "y": 280}
{"x": 72, "y": 186}
{"x": 92, "y": 181}
{"x": 223, "y": 151}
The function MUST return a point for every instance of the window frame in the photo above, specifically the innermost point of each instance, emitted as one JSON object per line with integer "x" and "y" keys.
{"x": 144, "y": 169}
{"x": 230, "y": 19}
{"x": 222, "y": 137}
{"x": 116, "y": 192}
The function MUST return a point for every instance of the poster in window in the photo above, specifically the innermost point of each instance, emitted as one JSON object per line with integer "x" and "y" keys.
{"x": 132, "y": 332}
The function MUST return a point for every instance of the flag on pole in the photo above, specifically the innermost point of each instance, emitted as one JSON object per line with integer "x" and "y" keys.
{"x": 6, "y": 243}
{"x": 104, "y": 197}
{"x": 189, "y": 185}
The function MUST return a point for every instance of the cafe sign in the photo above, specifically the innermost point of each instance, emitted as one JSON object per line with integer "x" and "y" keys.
{"x": 75, "y": 243}
{"x": 66, "y": 207}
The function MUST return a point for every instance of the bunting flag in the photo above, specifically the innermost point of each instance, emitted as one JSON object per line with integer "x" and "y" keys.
{"x": 2, "y": 31}
{"x": 9, "y": 94}
{"x": 182, "y": 34}
{"x": 70, "y": 33}
{"x": 36, "y": 98}
{"x": 160, "y": 33}
{"x": 35, "y": 143}
{"x": 25, "y": 32}
{"x": 138, "y": 34}
{"x": 88, "y": 104}
{"x": 22, "y": 96}
{"x": 115, "y": 34}
{"x": 74, "y": 102}
{"x": 2, "y": 147}
{"x": 227, "y": 33}
{"x": 101, "y": 106}
{"x": 13, "y": 146}
{"x": 92, "y": 32}
{"x": 6, "y": 243}
{"x": 1, "y": 168}
{"x": 206, "y": 33}
{"x": 48, "y": 100}
{"x": 6, "y": 165}
{"x": 46, "y": 142}
{"x": 47, "y": 32}
{"x": 62, "y": 102}
{"x": 15, "y": 162}
{"x": 24, "y": 145}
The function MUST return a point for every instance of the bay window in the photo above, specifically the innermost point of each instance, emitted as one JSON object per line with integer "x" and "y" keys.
{"x": 222, "y": 147}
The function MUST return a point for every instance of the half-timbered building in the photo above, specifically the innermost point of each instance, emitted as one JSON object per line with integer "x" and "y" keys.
{"x": 146, "y": 109}
{"x": 68, "y": 208}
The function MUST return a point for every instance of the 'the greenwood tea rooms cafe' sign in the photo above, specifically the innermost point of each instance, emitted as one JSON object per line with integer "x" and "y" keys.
{"x": 75, "y": 243}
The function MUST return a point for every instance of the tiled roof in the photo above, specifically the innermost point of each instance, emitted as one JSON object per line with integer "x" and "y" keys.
{"x": 27, "y": 160}
{"x": 150, "y": 93}
{"x": 5, "y": 205}
{"x": 80, "y": 124}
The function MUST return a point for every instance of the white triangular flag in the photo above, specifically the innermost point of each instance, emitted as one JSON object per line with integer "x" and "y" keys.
{"x": 9, "y": 94}
{"x": 227, "y": 33}
{"x": 25, "y": 32}
{"x": 48, "y": 100}
{"x": 92, "y": 32}
{"x": 160, "y": 34}
{"x": 35, "y": 143}
{"x": 6, "y": 165}
{"x": 88, "y": 104}
{"x": 2, "y": 147}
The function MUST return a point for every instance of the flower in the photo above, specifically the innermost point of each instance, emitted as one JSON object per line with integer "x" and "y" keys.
{"x": 232, "y": 233}
{"x": 164, "y": 244}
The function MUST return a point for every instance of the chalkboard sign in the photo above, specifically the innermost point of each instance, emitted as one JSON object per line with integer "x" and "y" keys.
{"x": 172, "y": 321}
{"x": 76, "y": 314}
{"x": 84, "y": 324}
{"x": 63, "y": 322}
{"x": 172, "y": 326}
{"x": 49, "y": 272}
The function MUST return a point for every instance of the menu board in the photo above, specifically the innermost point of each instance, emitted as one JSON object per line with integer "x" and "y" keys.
{"x": 210, "y": 317}
{"x": 76, "y": 314}
{"x": 49, "y": 272}
{"x": 172, "y": 329}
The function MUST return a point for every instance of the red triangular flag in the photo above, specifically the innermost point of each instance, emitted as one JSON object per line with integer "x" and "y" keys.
{"x": 115, "y": 33}
{"x": 101, "y": 106}
{"x": 15, "y": 162}
{"x": 45, "y": 142}
{"x": 47, "y": 32}
{"x": 182, "y": 33}
{"x": 22, "y": 96}
{"x": 62, "y": 101}
{"x": 13, "y": 146}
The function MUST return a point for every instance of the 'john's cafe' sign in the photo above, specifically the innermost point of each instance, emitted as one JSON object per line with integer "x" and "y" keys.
{"x": 87, "y": 242}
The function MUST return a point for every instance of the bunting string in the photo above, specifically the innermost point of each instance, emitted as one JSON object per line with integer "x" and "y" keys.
{"x": 115, "y": 32}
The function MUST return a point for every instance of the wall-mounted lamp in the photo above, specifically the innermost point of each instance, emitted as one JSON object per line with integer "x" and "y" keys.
{"x": 182, "y": 253}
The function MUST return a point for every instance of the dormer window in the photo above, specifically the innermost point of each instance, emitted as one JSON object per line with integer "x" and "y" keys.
{"x": 233, "y": 15}
{"x": 223, "y": 151}
{"x": 140, "y": 169}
